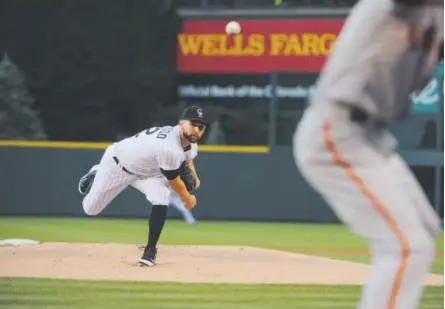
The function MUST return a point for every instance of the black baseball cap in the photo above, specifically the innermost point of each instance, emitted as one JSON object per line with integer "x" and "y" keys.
{"x": 196, "y": 114}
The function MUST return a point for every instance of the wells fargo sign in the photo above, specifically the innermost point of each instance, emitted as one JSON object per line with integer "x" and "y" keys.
{"x": 263, "y": 45}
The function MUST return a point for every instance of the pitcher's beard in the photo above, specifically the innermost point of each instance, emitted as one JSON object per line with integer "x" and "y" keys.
{"x": 191, "y": 139}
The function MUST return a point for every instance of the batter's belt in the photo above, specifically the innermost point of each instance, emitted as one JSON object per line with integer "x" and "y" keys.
{"x": 359, "y": 115}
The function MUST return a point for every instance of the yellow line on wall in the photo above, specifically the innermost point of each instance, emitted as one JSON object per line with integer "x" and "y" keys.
{"x": 103, "y": 145}
{"x": 51, "y": 144}
{"x": 236, "y": 149}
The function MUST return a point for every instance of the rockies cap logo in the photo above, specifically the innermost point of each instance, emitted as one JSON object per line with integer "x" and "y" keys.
{"x": 200, "y": 112}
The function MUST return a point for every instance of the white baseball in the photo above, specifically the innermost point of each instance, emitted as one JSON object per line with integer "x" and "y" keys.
{"x": 233, "y": 28}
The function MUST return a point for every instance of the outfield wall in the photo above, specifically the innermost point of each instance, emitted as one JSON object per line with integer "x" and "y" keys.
{"x": 235, "y": 186}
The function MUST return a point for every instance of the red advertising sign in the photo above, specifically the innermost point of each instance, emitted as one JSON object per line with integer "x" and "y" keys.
{"x": 263, "y": 45}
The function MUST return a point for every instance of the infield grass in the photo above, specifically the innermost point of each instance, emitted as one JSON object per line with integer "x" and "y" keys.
{"x": 73, "y": 294}
{"x": 333, "y": 241}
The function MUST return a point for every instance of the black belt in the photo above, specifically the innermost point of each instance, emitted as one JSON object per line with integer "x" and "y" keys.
{"x": 122, "y": 167}
{"x": 361, "y": 116}
{"x": 358, "y": 115}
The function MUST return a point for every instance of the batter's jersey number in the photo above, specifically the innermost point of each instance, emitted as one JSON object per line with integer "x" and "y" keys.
{"x": 162, "y": 132}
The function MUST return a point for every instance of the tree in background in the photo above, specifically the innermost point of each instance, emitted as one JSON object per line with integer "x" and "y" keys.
{"x": 18, "y": 119}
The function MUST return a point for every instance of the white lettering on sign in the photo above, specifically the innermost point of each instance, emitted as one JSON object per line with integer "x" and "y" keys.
{"x": 244, "y": 91}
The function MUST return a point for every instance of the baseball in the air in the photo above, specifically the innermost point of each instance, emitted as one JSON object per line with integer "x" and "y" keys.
{"x": 233, "y": 28}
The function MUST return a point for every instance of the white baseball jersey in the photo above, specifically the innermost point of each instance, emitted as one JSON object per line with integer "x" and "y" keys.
{"x": 383, "y": 54}
{"x": 149, "y": 151}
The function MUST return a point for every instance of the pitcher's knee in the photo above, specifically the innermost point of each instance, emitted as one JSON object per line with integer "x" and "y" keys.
{"x": 89, "y": 209}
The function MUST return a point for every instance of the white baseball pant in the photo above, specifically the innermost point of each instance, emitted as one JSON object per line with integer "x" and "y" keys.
{"x": 110, "y": 180}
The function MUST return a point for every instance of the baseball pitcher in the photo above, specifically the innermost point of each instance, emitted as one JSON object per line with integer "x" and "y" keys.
{"x": 155, "y": 162}
{"x": 386, "y": 50}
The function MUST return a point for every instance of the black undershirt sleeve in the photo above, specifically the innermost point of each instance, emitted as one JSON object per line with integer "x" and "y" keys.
{"x": 170, "y": 175}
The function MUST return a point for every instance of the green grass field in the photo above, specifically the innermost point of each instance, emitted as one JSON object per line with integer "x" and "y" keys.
{"x": 39, "y": 293}
{"x": 323, "y": 240}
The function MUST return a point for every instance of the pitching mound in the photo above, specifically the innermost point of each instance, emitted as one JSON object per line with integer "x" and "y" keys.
{"x": 199, "y": 264}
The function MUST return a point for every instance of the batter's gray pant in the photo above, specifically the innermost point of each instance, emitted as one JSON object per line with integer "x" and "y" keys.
{"x": 356, "y": 169}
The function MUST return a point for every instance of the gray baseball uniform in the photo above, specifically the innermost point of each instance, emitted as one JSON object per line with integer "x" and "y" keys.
{"x": 344, "y": 150}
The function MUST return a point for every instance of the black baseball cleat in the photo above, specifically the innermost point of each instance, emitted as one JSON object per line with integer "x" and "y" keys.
{"x": 148, "y": 258}
{"x": 86, "y": 181}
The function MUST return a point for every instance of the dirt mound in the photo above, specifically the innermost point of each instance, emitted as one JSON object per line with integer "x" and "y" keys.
{"x": 205, "y": 264}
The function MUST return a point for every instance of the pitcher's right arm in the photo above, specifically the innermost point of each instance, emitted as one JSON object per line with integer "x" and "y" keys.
{"x": 169, "y": 163}
{"x": 178, "y": 186}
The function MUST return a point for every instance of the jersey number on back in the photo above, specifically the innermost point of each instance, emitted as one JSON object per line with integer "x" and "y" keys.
{"x": 162, "y": 132}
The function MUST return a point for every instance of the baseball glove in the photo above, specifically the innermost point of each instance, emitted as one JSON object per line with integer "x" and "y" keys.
{"x": 187, "y": 177}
